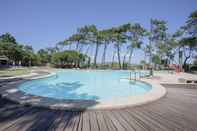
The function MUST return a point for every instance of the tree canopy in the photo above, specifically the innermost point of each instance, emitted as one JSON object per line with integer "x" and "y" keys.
{"x": 68, "y": 58}
{"x": 157, "y": 44}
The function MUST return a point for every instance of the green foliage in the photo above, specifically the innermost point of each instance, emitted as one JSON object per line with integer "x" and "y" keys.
{"x": 10, "y": 50}
{"x": 195, "y": 62}
{"x": 156, "y": 59}
{"x": 7, "y": 38}
{"x": 15, "y": 52}
{"x": 189, "y": 46}
{"x": 159, "y": 35}
{"x": 125, "y": 65}
{"x": 160, "y": 49}
{"x": 142, "y": 62}
{"x": 190, "y": 42}
{"x": 68, "y": 59}
{"x": 193, "y": 68}
{"x": 135, "y": 33}
{"x": 115, "y": 65}
{"x": 44, "y": 56}
{"x": 15, "y": 72}
{"x": 191, "y": 24}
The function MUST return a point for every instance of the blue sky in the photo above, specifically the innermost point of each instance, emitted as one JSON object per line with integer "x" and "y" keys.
{"x": 42, "y": 23}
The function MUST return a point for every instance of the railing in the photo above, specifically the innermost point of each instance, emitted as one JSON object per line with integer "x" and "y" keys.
{"x": 135, "y": 76}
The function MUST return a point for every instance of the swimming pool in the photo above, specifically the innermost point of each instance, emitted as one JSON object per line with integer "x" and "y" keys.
{"x": 99, "y": 85}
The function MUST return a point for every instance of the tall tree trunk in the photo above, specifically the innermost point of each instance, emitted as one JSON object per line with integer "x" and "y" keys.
{"x": 81, "y": 48}
{"x": 185, "y": 63}
{"x": 113, "y": 59}
{"x": 150, "y": 44}
{"x": 180, "y": 57}
{"x": 123, "y": 62}
{"x": 145, "y": 56}
{"x": 186, "y": 59}
{"x": 96, "y": 53}
{"x": 87, "y": 49}
{"x": 130, "y": 55}
{"x": 144, "y": 60}
{"x": 77, "y": 46}
{"x": 104, "y": 53}
{"x": 70, "y": 47}
{"x": 119, "y": 59}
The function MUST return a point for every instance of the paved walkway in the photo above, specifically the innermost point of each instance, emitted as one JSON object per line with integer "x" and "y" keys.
{"x": 176, "y": 111}
{"x": 173, "y": 78}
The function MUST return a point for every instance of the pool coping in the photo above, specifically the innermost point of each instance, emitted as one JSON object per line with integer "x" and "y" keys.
{"x": 11, "y": 92}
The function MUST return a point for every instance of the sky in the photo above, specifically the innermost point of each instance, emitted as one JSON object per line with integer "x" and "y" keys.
{"x": 43, "y": 23}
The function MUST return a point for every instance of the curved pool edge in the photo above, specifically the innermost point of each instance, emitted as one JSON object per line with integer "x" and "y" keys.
{"x": 43, "y": 76}
{"x": 14, "y": 94}
{"x": 156, "y": 93}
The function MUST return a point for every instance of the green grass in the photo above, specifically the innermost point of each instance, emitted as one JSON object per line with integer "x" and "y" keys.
{"x": 13, "y": 72}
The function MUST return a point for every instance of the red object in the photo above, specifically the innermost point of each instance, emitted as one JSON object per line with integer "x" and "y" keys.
{"x": 177, "y": 68}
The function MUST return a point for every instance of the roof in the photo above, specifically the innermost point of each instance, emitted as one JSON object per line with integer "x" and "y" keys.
{"x": 4, "y": 58}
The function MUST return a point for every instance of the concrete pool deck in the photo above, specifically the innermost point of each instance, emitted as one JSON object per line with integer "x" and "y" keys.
{"x": 168, "y": 78}
{"x": 11, "y": 92}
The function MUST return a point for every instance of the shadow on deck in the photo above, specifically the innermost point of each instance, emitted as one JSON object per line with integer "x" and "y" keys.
{"x": 175, "y": 111}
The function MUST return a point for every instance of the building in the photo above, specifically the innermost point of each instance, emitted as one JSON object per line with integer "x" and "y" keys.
{"x": 4, "y": 60}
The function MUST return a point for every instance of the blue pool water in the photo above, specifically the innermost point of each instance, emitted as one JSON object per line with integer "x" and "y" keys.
{"x": 86, "y": 85}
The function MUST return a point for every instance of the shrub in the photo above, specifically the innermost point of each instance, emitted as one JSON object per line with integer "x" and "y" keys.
{"x": 68, "y": 59}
